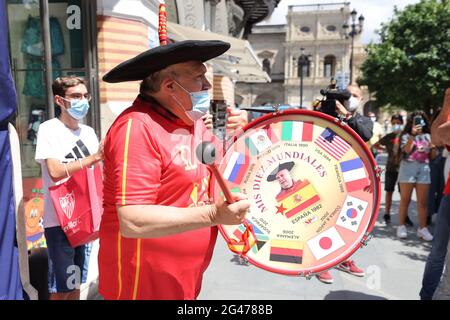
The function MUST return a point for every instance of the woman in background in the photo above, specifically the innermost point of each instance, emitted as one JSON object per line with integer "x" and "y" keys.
{"x": 414, "y": 172}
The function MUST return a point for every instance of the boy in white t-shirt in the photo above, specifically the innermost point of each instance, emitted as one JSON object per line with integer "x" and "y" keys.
{"x": 64, "y": 146}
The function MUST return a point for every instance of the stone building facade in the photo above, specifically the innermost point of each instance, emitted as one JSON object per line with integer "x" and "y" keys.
{"x": 318, "y": 30}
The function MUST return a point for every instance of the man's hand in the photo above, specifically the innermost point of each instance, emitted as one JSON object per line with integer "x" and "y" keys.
{"x": 208, "y": 120}
{"x": 231, "y": 214}
{"x": 340, "y": 109}
{"x": 236, "y": 119}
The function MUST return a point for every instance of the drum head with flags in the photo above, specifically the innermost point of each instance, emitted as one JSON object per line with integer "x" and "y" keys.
{"x": 313, "y": 188}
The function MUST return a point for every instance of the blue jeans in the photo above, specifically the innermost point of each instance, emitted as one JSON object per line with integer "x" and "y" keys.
{"x": 437, "y": 184}
{"x": 436, "y": 259}
{"x": 65, "y": 264}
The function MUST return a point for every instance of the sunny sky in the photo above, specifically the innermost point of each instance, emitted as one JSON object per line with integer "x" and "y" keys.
{"x": 374, "y": 11}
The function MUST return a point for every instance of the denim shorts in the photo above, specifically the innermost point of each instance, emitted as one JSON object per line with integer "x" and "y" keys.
{"x": 414, "y": 172}
{"x": 66, "y": 270}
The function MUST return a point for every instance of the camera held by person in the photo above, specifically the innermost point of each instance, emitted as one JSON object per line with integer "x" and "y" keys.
{"x": 337, "y": 105}
{"x": 331, "y": 95}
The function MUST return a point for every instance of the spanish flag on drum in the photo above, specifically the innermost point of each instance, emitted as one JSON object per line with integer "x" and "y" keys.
{"x": 302, "y": 196}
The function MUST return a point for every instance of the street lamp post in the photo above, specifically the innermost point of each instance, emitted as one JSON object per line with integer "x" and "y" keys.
{"x": 355, "y": 30}
{"x": 303, "y": 60}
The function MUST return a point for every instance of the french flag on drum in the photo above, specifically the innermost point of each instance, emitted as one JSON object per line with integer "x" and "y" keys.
{"x": 354, "y": 174}
{"x": 352, "y": 213}
{"x": 325, "y": 243}
{"x": 297, "y": 131}
{"x": 236, "y": 168}
{"x": 332, "y": 143}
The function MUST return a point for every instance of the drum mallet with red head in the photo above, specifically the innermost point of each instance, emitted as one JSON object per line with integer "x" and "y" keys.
{"x": 206, "y": 154}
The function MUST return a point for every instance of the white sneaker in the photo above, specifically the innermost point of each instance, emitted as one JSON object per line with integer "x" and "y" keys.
{"x": 424, "y": 234}
{"x": 401, "y": 232}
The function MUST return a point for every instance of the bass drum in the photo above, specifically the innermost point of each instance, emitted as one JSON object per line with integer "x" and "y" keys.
{"x": 314, "y": 189}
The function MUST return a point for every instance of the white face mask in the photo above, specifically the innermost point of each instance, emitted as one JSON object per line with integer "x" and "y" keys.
{"x": 353, "y": 104}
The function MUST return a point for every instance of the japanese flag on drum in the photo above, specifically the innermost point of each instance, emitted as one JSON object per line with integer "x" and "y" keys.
{"x": 325, "y": 243}
{"x": 78, "y": 205}
{"x": 352, "y": 213}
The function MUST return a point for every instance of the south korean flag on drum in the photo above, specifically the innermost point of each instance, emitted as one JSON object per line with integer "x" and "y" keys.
{"x": 352, "y": 213}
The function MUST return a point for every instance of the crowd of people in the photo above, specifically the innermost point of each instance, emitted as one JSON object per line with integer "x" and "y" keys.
{"x": 153, "y": 233}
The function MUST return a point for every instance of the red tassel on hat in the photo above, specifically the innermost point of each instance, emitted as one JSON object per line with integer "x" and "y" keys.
{"x": 162, "y": 27}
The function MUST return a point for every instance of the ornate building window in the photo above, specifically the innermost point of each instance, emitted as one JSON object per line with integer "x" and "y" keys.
{"x": 266, "y": 66}
{"x": 331, "y": 28}
{"x": 329, "y": 66}
{"x": 305, "y": 29}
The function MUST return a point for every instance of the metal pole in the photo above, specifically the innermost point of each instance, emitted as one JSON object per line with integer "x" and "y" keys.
{"x": 301, "y": 84}
{"x": 48, "y": 71}
{"x": 351, "y": 54}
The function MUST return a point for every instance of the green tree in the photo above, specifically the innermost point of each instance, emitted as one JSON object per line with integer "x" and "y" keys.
{"x": 410, "y": 68}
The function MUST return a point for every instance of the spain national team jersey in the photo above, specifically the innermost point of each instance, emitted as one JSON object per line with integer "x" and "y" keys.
{"x": 150, "y": 160}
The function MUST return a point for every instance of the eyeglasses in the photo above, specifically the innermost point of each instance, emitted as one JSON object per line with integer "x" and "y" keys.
{"x": 79, "y": 96}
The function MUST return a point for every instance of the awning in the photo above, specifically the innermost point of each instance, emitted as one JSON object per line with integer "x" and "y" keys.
{"x": 239, "y": 63}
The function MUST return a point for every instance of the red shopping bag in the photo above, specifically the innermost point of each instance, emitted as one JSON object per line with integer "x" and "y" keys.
{"x": 78, "y": 205}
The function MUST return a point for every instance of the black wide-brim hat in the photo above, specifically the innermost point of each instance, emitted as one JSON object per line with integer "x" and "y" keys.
{"x": 158, "y": 58}
{"x": 287, "y": 165}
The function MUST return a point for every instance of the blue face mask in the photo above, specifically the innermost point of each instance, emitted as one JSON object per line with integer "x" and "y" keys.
{"x": 397, "y": 127}
{"x": 78, "y": 108}
{"x": 200, "y": 103}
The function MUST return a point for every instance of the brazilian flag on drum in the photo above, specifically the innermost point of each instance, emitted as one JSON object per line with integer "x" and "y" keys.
{"x": 302, "y": 196}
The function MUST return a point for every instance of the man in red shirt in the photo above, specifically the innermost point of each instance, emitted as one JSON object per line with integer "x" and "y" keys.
{"x": 440, "y": 135}
{"x": 159, "y": 224}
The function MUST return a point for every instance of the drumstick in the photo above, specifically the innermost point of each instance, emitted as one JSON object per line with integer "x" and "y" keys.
{"x": 206, "y": 154}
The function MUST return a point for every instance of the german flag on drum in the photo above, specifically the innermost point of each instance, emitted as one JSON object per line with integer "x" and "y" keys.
{"x": 286, "y": 251}
{"x": 302, "y": 196}
{"x": 354, "y": 174}
{"x": 261, "y": 140}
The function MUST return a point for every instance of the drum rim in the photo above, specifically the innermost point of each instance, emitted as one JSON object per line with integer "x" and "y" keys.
{"x": 363, "y": 145}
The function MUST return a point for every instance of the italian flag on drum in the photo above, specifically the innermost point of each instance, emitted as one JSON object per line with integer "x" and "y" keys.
{"x": 302, "y": 196}
{"x": 297, "y": 131}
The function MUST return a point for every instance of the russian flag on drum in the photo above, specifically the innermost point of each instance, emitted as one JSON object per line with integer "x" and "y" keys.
{"x": 236, "y": 168}
{"x": 325, "y": 243}
{"x": 352, "y": 213}
{"x": 354, "y": 174}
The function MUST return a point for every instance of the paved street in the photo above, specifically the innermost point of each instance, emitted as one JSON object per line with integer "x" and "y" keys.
{"x": 394, "y": 270}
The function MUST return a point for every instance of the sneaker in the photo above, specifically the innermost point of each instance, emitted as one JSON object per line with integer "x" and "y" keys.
{"x": 408, "y": 222}
{"x": 350, "y": 267}
{"x": 325, "y": 277}
{"x": 401, "y": 232}
{"x": 387, "y": 218}
{"x": 424, "y": 234}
